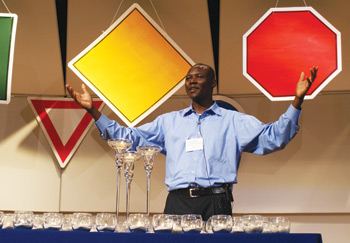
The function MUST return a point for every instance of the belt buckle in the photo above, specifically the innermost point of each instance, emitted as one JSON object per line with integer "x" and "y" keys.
{"x": 193, "y": 189}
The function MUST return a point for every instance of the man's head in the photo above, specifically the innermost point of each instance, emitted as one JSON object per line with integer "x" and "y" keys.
{"x": 200, "y": 82}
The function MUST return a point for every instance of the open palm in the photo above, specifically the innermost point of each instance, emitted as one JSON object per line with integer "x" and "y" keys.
{"x": 305, "y": 83}
{"x": 83, "y": 99}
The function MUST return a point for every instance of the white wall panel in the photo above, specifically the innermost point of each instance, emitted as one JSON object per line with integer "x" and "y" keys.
{"x": 37, "y": 67}
{"x": 29, "y": 174}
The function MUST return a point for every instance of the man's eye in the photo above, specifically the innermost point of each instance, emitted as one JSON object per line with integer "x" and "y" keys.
{"x": 188, "y": 78}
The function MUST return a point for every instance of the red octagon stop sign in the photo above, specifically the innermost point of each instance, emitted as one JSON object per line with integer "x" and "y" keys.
{"x": 285, "y": 42}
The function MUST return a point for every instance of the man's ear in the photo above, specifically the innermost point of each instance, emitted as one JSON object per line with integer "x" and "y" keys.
{"x": 213, "y": 85}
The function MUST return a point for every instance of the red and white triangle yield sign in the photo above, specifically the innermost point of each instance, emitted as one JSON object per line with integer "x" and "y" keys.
{"x": 64, "y": 124}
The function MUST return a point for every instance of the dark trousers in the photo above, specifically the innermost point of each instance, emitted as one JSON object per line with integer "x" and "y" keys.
{"x": 208, "y": 205}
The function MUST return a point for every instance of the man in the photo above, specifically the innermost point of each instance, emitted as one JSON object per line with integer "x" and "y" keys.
{"x": 203, "y": 143}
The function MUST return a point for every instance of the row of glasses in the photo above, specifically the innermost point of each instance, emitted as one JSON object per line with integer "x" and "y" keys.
{"x": 58, "y": 221}
{"x": 258, "y": 224}
{"x": 19, "y": 219}
{"x": 102, "y": 222}
{"x": 194, "y": 224}
{"x": 29, "y": 220}
{"x": 165, "y": 223}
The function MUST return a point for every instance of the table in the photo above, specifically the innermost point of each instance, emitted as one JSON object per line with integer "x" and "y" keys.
{"x": 51, "y": 236}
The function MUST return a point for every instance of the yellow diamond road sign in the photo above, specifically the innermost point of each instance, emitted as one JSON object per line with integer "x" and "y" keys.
{"x": 133, "y": 67}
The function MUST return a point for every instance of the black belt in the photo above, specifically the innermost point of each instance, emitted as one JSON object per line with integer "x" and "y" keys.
{"x": 200, "y": 191}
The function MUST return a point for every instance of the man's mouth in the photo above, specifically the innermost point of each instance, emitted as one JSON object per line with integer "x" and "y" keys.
{"x": 193, "y": 89}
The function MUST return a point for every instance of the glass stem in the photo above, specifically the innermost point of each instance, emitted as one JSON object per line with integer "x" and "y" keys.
{"x": 118, "y": 192}
{"x": 128, "y": 185}
{"x": 148, "y": 192}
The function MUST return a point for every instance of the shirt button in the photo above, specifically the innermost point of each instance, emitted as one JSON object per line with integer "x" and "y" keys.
{"x": 195, "y": 158}
{"x": 192, "y": 172}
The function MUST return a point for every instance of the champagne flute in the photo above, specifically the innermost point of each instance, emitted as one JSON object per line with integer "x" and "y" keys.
{"x": 129, "y": 158}
{"x": 148, "y": 153}
{"x": 119, "y": 145}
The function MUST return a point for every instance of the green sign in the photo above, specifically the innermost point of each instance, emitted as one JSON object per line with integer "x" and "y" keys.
{"x": 8, "y": 23}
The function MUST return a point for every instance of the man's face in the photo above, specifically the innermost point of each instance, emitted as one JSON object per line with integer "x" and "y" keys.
{"x": 199, "y": 85}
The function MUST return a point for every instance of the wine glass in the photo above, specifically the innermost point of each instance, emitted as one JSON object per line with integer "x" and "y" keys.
{"x": 129, "y": 158}
{"x": 138, "y": 223}
{"x": 119, "y": 145}
{"x": 237, "y": 226}
{"x": 52, "y": 221}
{"x": 106, "y": 222}
{"x": 279, "y": 225}
{"x": 23, "y": 219}
{"x": 82, "y": 221}
{"x": 38, "y": 222}
{"x": 253, "y": 223}
{"x": 163, "y": 223}
{"x": 67, "y": 222}
{"x": 148, "y": 153}
{"x": 220, "y": 224}
{"x": 191, "y": 223}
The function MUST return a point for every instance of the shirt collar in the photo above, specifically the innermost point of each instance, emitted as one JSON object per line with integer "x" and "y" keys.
{"x": 214, "y": 110}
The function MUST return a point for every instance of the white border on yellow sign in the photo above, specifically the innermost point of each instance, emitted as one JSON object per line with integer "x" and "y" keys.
{"x": 111, "y": 106}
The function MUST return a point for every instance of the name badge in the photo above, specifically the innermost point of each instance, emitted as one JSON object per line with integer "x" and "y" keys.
{"x": 194, "y": 144}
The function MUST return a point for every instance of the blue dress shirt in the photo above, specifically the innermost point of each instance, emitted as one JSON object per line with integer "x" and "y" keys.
{"x": 225, "y": 133}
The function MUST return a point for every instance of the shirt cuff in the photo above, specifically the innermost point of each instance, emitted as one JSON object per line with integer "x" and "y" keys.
{"x": 102, "y": 122}
{"x": 293, "y": 114}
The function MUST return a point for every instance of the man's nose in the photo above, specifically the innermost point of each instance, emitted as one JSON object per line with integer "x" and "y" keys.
{"x": 193, "y": 80}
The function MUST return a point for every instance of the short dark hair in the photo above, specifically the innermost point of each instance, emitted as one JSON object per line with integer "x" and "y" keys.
{"x": 211, "y": 72}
